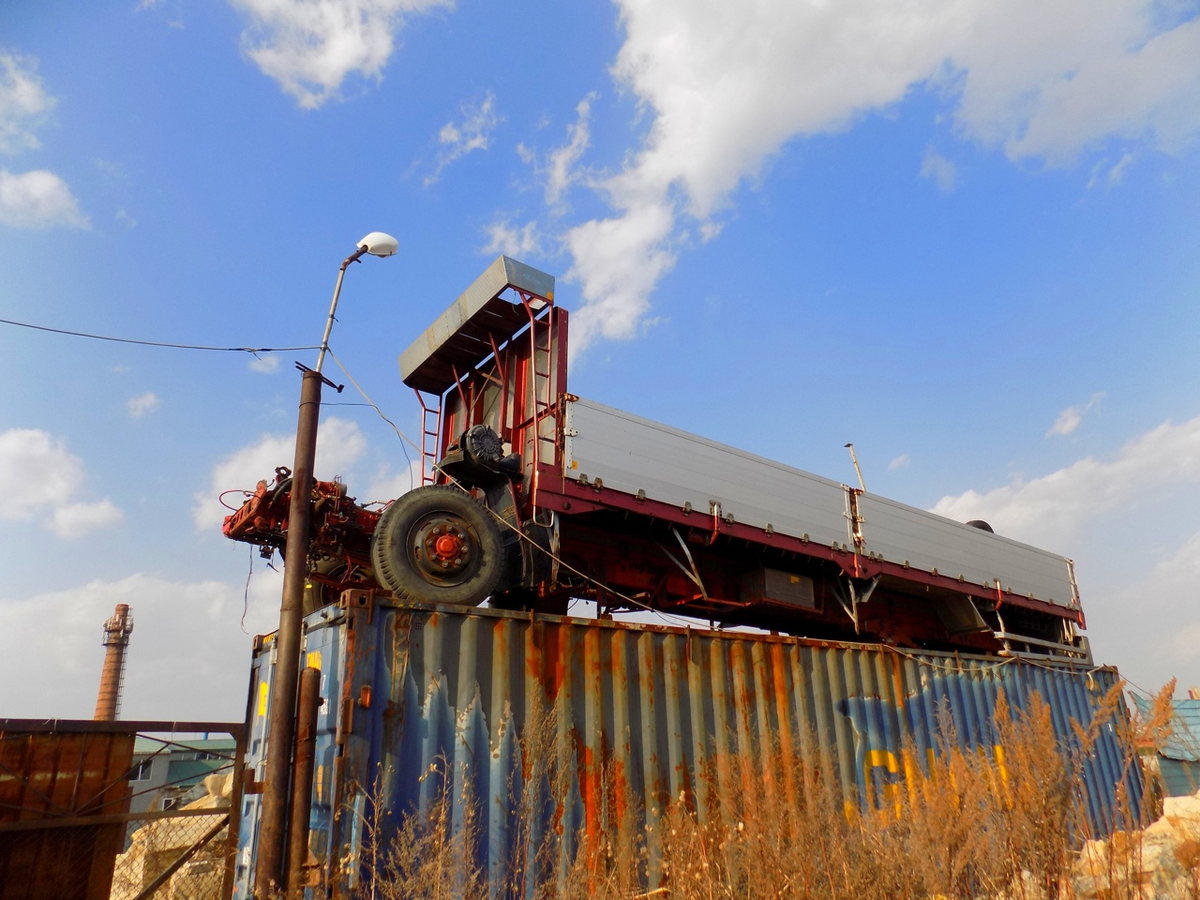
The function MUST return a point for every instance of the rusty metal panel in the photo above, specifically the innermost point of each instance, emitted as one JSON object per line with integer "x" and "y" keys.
{"x": 418, "y": 696}
{"x": 72, "y": 776}
{"x": 65, "y": 824}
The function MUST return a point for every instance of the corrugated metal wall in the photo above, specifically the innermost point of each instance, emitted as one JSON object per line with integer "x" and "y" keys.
{"x": 416, "y": 689}
{"x": 1180, "y": 777}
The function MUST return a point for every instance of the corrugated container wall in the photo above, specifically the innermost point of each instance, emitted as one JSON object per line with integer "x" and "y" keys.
{"x": 416, "y": 693}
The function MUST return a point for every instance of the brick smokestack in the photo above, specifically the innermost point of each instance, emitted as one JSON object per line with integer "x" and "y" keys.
{"x": 116, "y": 639}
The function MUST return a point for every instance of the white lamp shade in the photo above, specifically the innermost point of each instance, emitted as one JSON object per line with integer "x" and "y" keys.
{"x": 379, "y": 244}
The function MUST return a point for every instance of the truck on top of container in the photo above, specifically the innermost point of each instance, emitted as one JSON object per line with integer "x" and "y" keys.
{"x": 531, "y": 496}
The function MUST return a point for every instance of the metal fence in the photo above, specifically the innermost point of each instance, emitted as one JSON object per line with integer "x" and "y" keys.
{"x": 118, "y": 810}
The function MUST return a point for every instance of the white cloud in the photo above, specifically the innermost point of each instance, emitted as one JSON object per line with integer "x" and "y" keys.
{"x": 40, "y": 478}
{"x": 36, "y": 471}
{"x": 559, "y": 173}
{"x": 1049, "y": 510}
{"x": 560, "y": 166}
{"x": 1039, "y": 81}
{"x": 112, "y": 171}
{"x": 1071, "y": 417}
{"x": 898, "y": 463}
{"x": 517, "y": 241}
{"x": 188, "y": 657}
{"x": 1175, "y": 577}
{"x": 265, "y": 365}
{"x": 618, "y": 262}
{"x": 142, "y": 404}
{"x": 340, "y": 443}
{"x": 1110, "y": 176}
{"x": 310, "y": 46}
{"x": 23, "y": 103}
{"x": 38, "y": 199}
{"x": 388, "y": 485}
{"x": 1184, "y": 645}
{"x": 474, "y": 132}
{"x": 939, "y": 170}
{"x": 1151, "y": 623}
{"x": 1049, "y": 81}
{"x": 125, "y": 219}
{"x": 1117, "y": 173}
{"x": 77, "y": 519}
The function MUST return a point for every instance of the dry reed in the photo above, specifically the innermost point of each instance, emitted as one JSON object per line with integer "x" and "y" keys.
{"x": 954, "y": 823}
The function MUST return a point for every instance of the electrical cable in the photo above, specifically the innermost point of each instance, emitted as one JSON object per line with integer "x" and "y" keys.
{"x": 171, "y": 346}
{"x": 371, "y": 403}
{"x": 242, "y": 491}
{"x": 1138, "y": 689}
{"x": 945, "y": 668}
{"x": 246, "y": 592}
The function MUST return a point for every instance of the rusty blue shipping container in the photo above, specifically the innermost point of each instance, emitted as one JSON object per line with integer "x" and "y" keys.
{"x": 415, "y": 693}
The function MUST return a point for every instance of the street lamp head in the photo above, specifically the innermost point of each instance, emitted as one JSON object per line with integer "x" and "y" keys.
{"x": 379, "y": 244}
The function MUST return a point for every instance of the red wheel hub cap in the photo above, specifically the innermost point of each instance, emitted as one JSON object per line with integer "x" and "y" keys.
{"x": 447, "y": 546}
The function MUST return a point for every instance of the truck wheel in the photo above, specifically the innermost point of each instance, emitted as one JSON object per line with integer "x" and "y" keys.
{"x": 438, "y": 543}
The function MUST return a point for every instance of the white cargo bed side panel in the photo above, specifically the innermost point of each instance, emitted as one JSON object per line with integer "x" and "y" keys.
{"x": 926, "y": 541}
{"x": 631, "y": 454}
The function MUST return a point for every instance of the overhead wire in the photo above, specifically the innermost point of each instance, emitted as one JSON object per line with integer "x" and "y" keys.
{"x": 164, "y": 344}
{"x": 1024, "y": 658}
{"x": 928, "y": 663}
{"x": 371, "y": 403}
{"x": 404, "y": 438}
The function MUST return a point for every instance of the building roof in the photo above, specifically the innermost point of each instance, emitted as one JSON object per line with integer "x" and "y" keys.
{"x": 143, "y": 746}
{"x": 1184, "y": 741}
{"x": 186, "y": 772}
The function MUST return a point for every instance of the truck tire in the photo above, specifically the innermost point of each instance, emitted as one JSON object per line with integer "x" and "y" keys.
{"x": 437, "y": 543}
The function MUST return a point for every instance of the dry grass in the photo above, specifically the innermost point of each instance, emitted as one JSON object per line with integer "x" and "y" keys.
{"x": 957, "y": 824}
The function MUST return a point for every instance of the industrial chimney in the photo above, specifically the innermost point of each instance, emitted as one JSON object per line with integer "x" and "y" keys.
{"x": 116, "y": 639}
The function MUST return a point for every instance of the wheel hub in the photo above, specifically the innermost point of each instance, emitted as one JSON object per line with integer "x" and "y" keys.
{"x": 447, "y": 546}
{"x": 442, "y": 549}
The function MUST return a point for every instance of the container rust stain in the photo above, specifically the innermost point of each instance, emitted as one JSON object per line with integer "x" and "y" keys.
{"x": 632, "y": 717}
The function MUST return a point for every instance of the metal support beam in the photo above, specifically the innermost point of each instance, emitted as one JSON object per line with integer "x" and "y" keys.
{"x": 272, "y": 835}
{"x": 302, "y": 779}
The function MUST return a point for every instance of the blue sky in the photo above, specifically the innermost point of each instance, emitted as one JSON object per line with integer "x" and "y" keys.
{"x": 962, "y": 234}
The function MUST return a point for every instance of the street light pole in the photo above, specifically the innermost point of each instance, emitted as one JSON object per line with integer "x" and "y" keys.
{"x": 272, "y": 833}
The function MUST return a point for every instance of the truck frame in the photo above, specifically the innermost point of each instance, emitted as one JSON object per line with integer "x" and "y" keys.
{"x": 531, "y": 497}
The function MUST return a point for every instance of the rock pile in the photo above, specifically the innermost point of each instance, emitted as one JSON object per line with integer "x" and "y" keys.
{"x": 160, "y": 842}
{"x": 1161, "y": 862}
